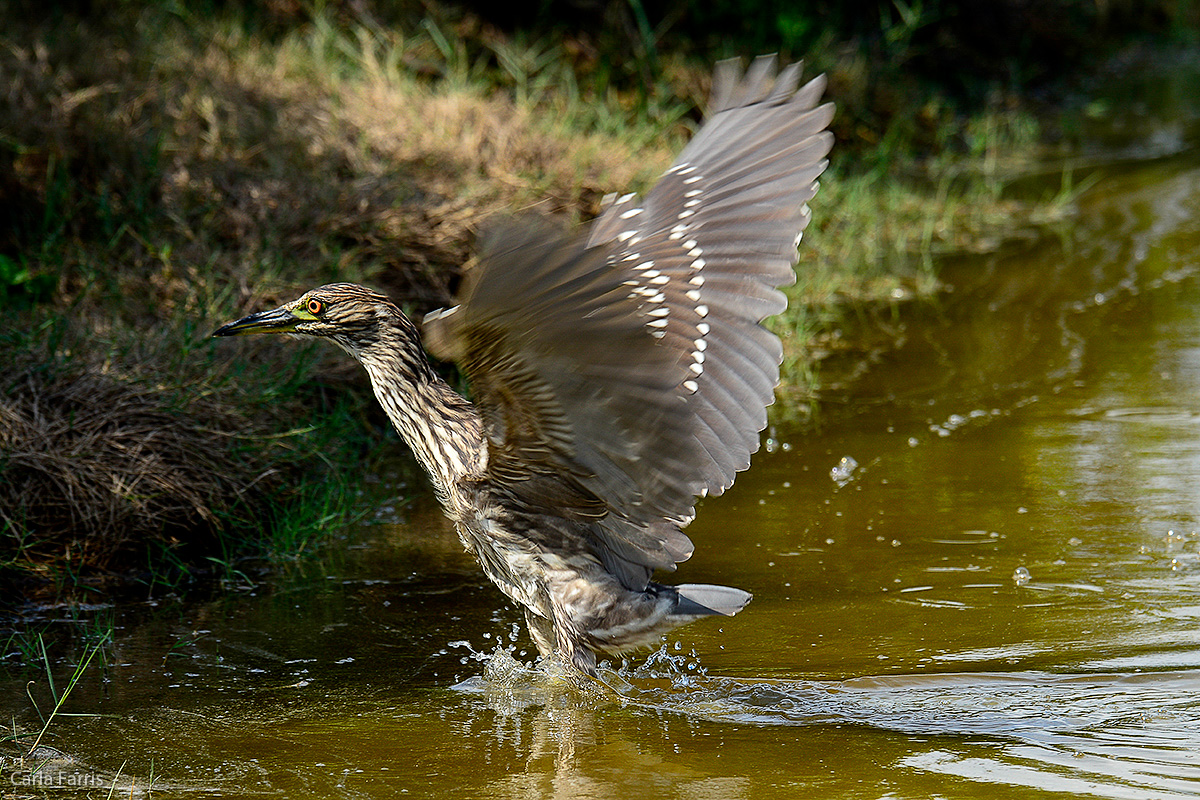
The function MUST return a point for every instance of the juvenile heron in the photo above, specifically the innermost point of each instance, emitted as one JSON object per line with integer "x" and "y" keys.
{"x": 618, "y": 374}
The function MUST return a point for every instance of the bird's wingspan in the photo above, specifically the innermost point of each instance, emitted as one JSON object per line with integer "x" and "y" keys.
{"x": 631, "y": 363}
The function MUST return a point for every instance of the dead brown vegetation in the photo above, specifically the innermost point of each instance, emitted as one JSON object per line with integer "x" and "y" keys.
{"x": 93, "y": 465}
{"x": 113, "y": 467}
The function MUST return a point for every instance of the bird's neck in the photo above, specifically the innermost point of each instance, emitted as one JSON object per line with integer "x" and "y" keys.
{"x": 442, "y": 428}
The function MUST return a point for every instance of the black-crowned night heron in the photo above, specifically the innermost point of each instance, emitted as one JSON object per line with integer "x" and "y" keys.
{"x": 618, "y": 374}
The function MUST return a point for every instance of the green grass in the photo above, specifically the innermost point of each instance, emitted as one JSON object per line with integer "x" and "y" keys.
{"x": 59, "y": 698}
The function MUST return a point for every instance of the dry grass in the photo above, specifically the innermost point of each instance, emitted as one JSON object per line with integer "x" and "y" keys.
{"x": 141, "y": 461}
{"x": 91, "y": 464}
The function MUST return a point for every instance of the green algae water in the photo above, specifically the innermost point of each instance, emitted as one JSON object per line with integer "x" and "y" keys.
{"x": 977, "y": 578}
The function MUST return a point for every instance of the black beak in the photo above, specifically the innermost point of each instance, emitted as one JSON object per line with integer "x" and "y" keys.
{"x": 280, "y": 320}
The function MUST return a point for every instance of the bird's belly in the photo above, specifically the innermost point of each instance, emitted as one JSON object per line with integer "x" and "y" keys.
{"x": 513, "y": 565}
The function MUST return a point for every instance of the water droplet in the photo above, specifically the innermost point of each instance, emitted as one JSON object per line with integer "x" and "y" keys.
{"x": 843, "y": 472}
{"x": 1021, "y": 576}
{"x": 1074, "y": 541}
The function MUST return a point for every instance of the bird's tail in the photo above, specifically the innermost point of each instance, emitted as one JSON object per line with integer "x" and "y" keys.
{"x": 661, "y": 609}
{"x": 703, "y": 599}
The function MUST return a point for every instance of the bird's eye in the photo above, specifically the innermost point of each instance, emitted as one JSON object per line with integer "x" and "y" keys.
{"x": 315, "y": 307}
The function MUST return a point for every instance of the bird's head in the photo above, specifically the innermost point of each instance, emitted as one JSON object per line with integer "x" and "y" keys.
{"x": 351, "y": 316}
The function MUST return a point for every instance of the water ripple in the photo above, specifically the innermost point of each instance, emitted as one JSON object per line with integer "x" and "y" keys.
{"x": 1107, "y": 735}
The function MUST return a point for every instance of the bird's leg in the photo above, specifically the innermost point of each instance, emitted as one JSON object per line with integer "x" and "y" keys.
{"x": 542, "y": 633}
{"x": 553, "y": 646}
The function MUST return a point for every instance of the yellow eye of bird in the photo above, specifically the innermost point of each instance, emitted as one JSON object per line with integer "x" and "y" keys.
{"x": 315, "y": 307}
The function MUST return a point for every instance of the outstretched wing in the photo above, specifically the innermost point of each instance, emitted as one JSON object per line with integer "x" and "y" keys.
{"x": 714, "y": 239}
{"x": 623, "y": 375}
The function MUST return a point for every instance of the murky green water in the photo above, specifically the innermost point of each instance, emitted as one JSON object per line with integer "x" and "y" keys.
{"x": 1000, "y": 600}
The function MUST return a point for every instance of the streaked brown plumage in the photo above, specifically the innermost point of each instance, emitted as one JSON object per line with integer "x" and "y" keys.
{"x": 618, "y": 375}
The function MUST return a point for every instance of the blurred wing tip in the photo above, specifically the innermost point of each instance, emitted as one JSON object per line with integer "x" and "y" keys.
{"x": 439, "y": 336}
{"x": 440, "y": 314}
{"x": 763, "y": 81}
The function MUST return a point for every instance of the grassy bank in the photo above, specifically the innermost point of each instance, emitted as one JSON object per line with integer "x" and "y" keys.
{"x": 161, "y": 174}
